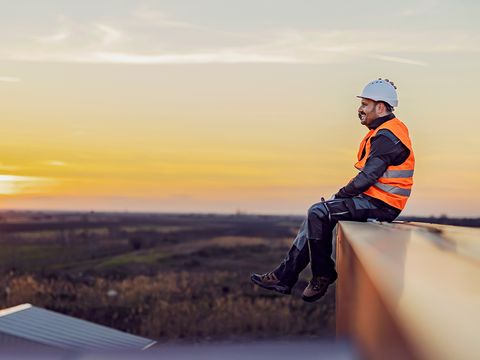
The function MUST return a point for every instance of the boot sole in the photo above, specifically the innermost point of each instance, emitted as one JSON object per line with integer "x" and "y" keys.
{"x": 282, "y": 289}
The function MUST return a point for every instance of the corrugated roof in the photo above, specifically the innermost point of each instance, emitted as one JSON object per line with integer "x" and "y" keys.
{"x": 62, "y": 331}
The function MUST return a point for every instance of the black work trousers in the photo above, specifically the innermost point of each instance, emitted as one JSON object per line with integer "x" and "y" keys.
{"x": 313, "y": 243}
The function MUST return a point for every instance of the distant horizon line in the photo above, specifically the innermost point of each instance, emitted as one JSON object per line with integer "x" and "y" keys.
{"x": 235, "y": 213}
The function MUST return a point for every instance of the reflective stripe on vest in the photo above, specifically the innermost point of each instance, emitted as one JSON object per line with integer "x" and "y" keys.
{"x": 395, "y": 184}
{"x": 398, "y": 174}
{"x": 392, "y": 189}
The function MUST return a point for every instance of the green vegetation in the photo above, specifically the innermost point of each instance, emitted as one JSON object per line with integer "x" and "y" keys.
{"x": 162, "y": 276}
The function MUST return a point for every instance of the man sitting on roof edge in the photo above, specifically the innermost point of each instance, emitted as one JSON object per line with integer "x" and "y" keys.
{"x": 379, "y": 191}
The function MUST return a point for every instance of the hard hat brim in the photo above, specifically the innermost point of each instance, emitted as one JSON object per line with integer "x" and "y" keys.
{"x": 391, "y": 103}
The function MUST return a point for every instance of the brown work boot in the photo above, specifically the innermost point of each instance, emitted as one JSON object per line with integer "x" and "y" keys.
{"x": 317, "y": 287}
{"x": 270, "y": 281}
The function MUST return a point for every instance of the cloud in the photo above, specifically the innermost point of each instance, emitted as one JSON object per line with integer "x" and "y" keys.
{"x": 219, "y": 56}
{"x": 53, "y": 38}
{"x": 56, "y": 163}
{"x": 286, "y": 46}
{"x": 12, "y": 184}
{"x": 8, "y": 167}
{"x": 397, "y": 59}
{"x": 108, "y": 34}
{"x": 80, "y": 34}
{"x": 192, "y": 58}
{"x": 160, "y": 19}
{"x": 11, "y": 79}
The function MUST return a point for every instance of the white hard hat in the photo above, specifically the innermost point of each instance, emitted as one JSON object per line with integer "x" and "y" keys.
{"x": 381, "y": 90}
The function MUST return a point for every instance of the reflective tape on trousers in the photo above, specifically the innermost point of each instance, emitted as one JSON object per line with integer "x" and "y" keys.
{"x": 392, "y": 189}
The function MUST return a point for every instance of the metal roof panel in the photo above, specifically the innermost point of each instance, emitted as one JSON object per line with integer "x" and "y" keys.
{"x": 66, "y": 332}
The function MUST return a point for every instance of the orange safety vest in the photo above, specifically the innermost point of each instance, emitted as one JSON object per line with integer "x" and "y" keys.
{"x": 395, "y": 185}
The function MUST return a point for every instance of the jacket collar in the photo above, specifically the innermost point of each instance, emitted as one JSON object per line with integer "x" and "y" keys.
{"x": 379, "y": 121}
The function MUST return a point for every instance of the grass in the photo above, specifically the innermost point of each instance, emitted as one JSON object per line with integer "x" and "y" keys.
{"x": 190, "y": 284}
{"x": 138, "y": 257}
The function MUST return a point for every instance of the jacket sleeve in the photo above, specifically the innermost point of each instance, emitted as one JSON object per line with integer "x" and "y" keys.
{"x": 386, "y": 149}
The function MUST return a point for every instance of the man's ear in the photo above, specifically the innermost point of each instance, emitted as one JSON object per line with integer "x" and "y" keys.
{"x": 380, "y": 107}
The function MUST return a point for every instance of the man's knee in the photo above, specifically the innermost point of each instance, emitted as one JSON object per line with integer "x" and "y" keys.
{"x": 318, "y": 212}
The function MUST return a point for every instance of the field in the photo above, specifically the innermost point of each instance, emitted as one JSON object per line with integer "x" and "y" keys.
{"x": 164, "y": 276}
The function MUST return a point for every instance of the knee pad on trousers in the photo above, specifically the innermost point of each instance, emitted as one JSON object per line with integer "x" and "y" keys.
{"x": 318, "y": 212}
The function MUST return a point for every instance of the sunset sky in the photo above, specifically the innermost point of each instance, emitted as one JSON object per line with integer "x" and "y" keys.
{"x": 220, "y": 106}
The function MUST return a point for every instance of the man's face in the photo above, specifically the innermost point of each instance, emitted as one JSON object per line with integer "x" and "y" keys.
{"x": 367, "y": 112}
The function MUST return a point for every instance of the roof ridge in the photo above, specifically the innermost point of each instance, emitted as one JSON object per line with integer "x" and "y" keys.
{"x": 14, "y": 309}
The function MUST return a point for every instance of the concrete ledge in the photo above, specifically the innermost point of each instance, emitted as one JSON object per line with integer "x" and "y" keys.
{"x": 409, "y": 290}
